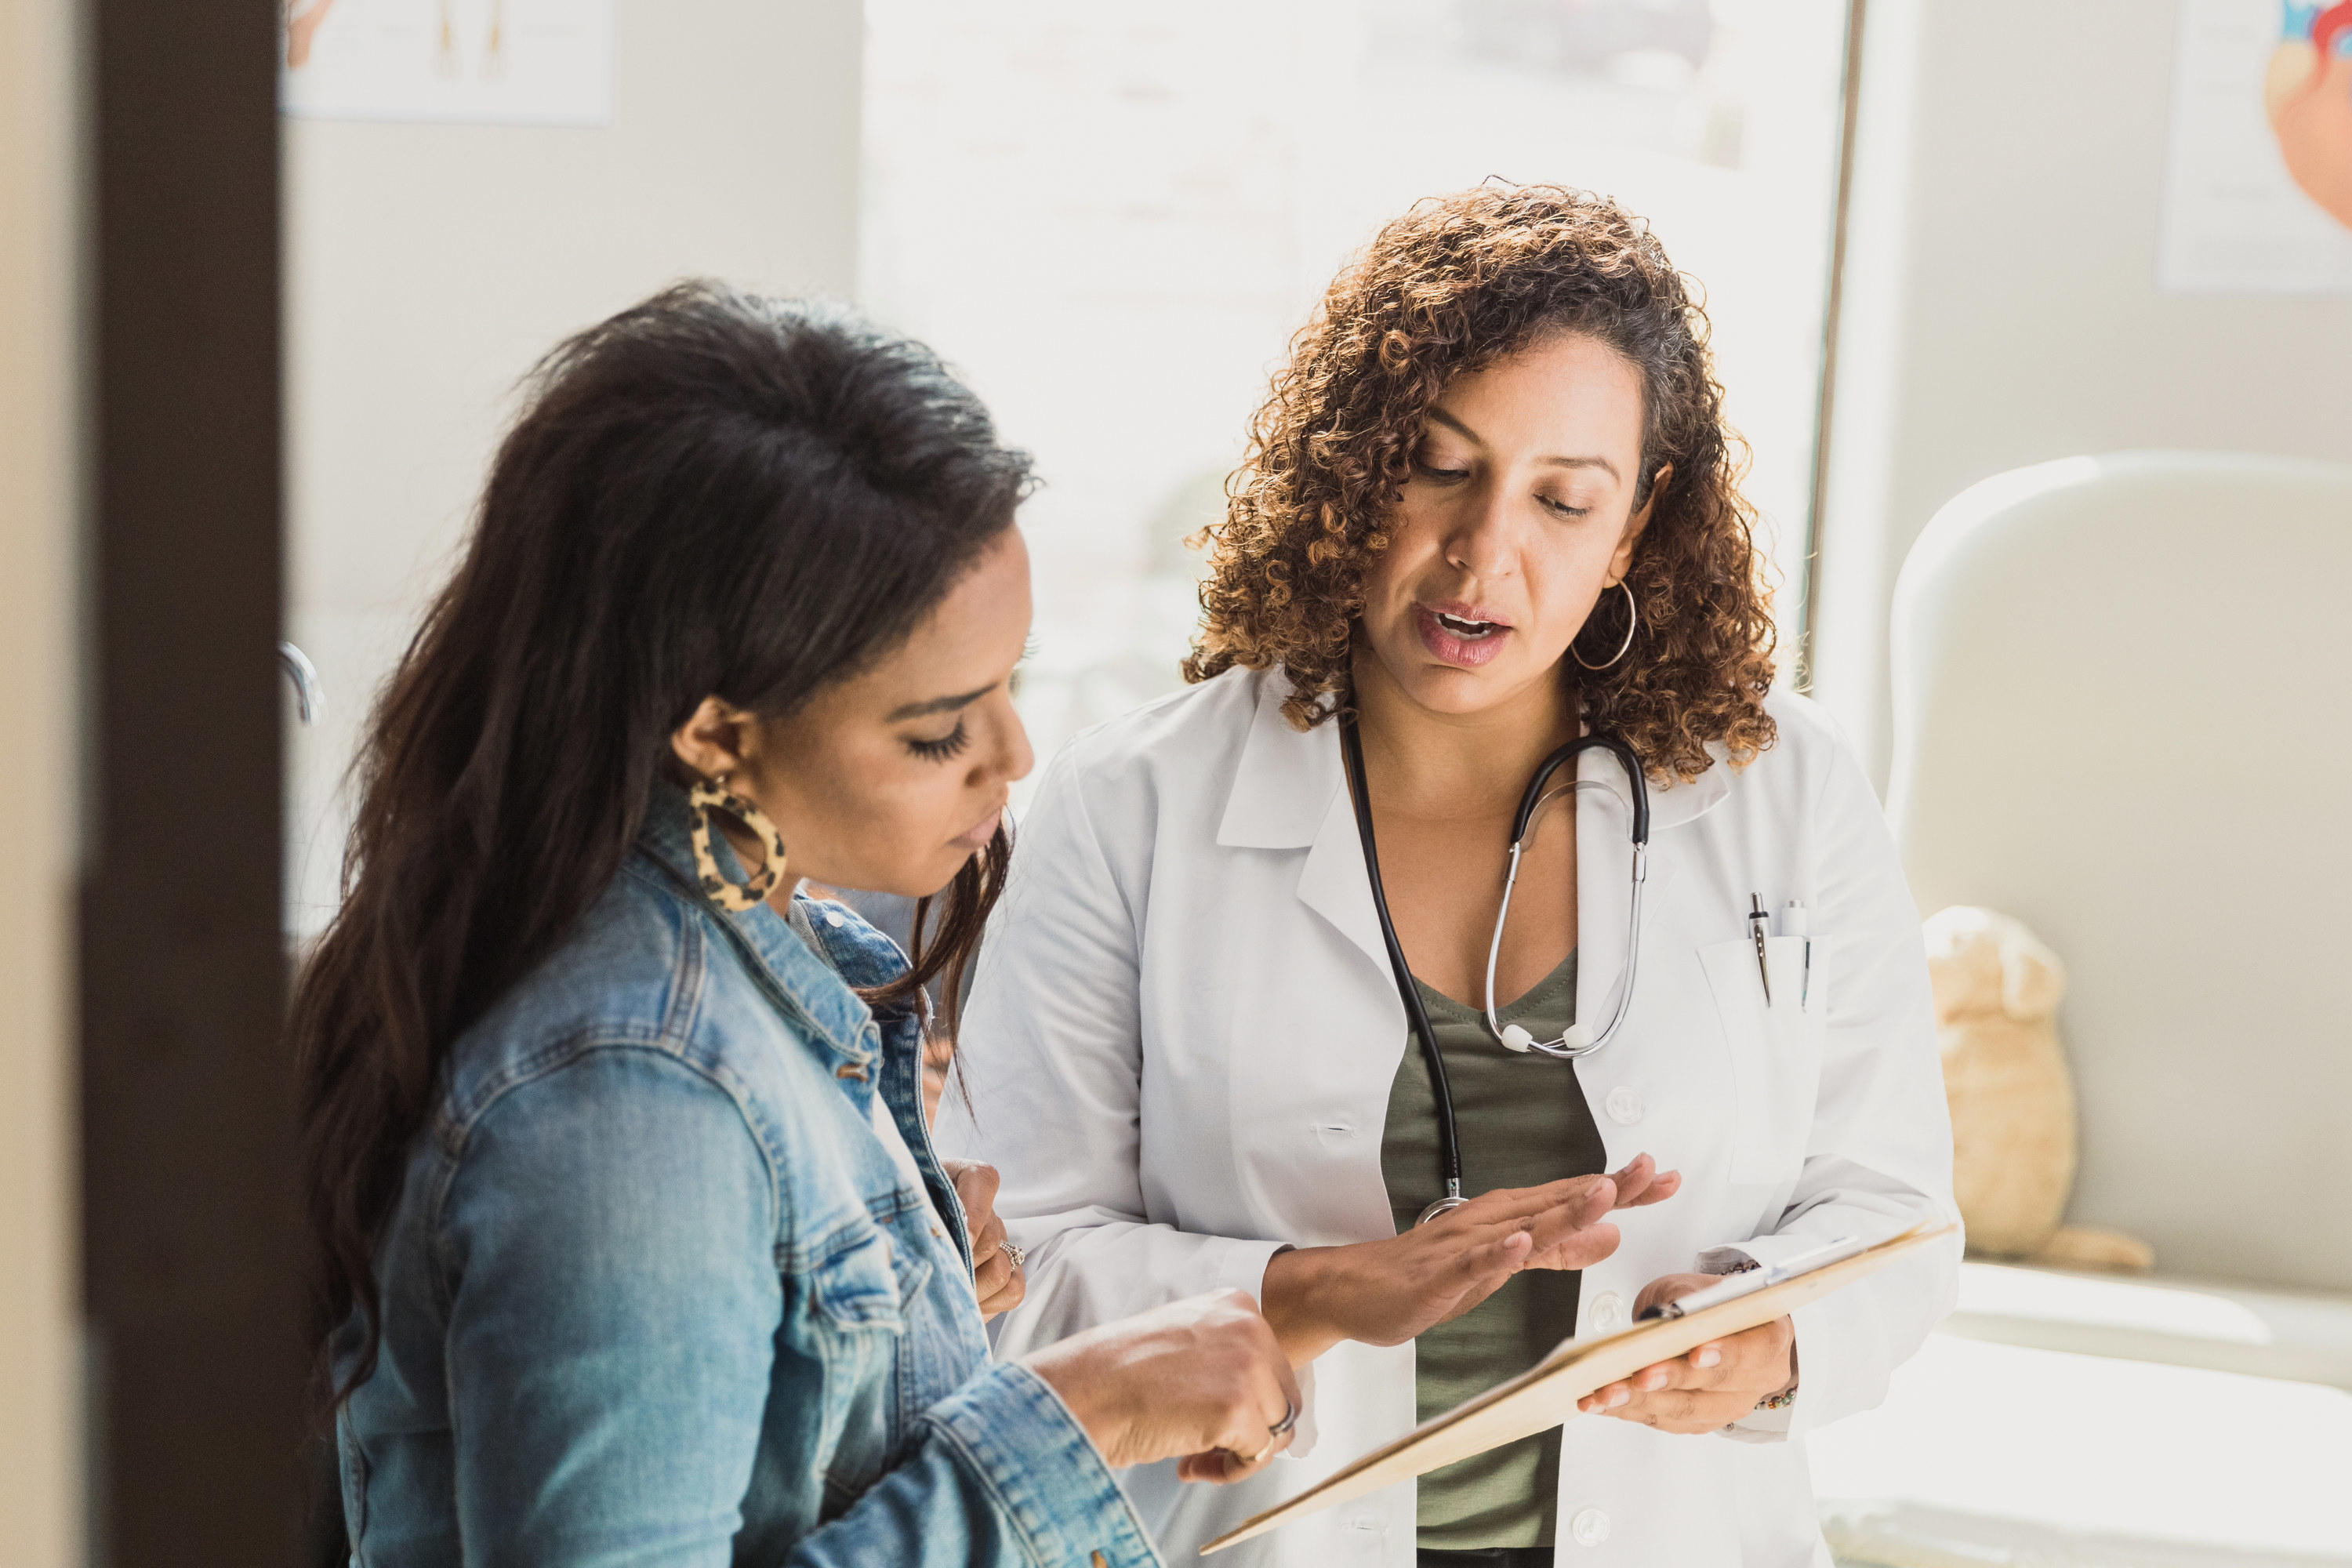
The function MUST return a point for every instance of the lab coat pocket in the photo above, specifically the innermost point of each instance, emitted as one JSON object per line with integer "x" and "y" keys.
{"x": 1775, "y": 1049}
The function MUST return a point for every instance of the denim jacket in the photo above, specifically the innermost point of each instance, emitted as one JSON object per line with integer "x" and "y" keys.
{"x": 654, "y": 1292}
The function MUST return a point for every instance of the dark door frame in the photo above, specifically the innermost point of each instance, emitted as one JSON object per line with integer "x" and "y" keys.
{"x": 189, "y": 1246}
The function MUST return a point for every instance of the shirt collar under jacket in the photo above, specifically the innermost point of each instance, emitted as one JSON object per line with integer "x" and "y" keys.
{"x": 806, "y": 985}
{"x": 1287, "y": 785}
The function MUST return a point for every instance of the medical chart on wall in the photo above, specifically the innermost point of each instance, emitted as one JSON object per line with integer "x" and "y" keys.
{"x": 480, "y": 62}
{"x": 2258, "y": 166}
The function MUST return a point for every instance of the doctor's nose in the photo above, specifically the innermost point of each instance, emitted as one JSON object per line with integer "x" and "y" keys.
{"x": 1479, "y": 537}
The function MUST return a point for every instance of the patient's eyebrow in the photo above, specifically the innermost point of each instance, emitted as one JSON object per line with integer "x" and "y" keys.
{"x": 1450, "y": 423}
{"x": 939, "y": 705}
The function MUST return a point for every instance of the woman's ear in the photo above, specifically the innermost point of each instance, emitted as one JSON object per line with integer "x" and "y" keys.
{"x": 1622, "y": 561}
{"x": 710, "y": 742}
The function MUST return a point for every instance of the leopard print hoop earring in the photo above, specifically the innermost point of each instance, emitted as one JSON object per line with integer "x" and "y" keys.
{"x": 712, "y": 794}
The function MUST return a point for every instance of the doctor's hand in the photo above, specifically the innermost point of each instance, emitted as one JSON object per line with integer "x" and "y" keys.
{"x": 1386, "y": 1293}
{"x": 1714, "y": 1385}
{"x": 1001, "y": 1285}
{"x": 1201, "y": 1378}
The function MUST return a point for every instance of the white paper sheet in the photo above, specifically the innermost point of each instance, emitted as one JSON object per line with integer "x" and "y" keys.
{"x": 2233, "y": 221}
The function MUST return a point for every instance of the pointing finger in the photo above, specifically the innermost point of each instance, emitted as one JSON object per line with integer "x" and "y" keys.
{"x": 1634, "y": 1179}
{"x": 1663, "y": 1186}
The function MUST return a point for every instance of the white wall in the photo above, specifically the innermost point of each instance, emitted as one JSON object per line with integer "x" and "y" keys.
{"x": 429, "y": 266}
{"x": 2000, "y": 304}
{"x": 40, "y": 1425}
{"x": 1198, "y": 199}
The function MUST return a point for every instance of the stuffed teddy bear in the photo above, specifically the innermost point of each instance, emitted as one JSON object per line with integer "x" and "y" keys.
{"x": 2013, "y": 1151}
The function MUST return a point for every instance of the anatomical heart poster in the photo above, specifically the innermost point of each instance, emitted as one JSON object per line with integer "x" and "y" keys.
{"x": 482, "y": 62}
{"x": 2258, "y": 175}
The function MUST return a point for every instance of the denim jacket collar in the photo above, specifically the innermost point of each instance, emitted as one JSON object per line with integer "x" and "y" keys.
{"x": 803, "y": 983}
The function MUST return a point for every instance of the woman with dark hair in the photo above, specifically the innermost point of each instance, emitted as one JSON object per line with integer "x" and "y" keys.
{"x": 625, "y": 1205}
{"x": 1490, "y": 513}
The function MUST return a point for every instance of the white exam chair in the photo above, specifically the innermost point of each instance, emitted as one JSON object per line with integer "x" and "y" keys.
{"x": 2122, "y": 696}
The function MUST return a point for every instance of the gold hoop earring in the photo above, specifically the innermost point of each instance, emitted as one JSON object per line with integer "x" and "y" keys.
{"x": 712, "y": 794}
{"x": 1632, "y": 619}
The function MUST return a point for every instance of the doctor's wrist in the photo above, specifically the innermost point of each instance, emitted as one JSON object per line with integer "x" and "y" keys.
{"x": 1293, "y": 1297}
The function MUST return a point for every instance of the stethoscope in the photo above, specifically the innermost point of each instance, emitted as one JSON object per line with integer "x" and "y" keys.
{"x": 1580, "y": 1040}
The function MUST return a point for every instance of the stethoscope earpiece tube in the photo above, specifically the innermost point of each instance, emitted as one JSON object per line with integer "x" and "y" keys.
{"x": 1449, "y": 1148}
{"x": 1569, "y": 752}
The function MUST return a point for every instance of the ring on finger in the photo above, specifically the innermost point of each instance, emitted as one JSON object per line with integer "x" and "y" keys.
{"x": 1020, "y": 1255}
{"x": 1279, "y": 1430}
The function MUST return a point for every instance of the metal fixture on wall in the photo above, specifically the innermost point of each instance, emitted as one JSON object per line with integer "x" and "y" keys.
{"x": 310, "y": 696}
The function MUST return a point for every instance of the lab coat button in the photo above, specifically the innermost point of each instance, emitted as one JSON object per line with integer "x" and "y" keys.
{"x": 1608, "y": 1313}
{"x": 1625, "y": 1106}
{"x": 1591, "y": 1527}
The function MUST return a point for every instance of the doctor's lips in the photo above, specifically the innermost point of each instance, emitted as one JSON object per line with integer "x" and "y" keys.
{"x": 1460, "y": 633}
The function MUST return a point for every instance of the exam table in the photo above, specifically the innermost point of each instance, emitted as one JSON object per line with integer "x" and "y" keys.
{"x": 2120, "y": 716}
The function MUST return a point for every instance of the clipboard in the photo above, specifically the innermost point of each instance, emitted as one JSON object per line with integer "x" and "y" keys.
{"x": 1545, "y": 1396}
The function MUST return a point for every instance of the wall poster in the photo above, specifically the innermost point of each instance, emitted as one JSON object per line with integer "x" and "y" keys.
{"x": 481, "y": 62}
{"x": 2258, "y": 161}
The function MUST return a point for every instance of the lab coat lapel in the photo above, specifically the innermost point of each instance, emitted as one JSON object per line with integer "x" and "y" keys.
{"x": 1290, "y": 792}
{"x": 1605, "y": 870}
{"x": 1334, "y": 882}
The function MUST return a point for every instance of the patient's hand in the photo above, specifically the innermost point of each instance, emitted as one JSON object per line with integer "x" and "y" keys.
{"x": 1713, "y": 1386}
{"x": 1386, "y": 1293}
{"x": 1202, "y": 1379}
{"x": 1000, "y": 1284}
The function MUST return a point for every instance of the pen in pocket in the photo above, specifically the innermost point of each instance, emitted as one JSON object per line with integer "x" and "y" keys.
{"x": 1757, "y": 921}
{"x": 1795, "y": 923}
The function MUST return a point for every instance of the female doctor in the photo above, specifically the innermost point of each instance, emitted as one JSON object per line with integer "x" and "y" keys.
{"x": 1489, "y": 507}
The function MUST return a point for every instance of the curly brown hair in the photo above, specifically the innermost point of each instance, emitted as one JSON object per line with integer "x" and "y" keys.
{"x": 1454, "y": 284}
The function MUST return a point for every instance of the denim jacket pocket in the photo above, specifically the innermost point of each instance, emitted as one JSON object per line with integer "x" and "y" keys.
{"x": 856, "y": 1285}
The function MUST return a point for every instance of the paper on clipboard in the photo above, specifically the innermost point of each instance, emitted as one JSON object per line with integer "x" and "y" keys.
{"x": 1546, "y": 1394}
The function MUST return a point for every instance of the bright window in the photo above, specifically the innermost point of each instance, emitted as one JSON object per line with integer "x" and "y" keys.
{"x": 1111, "y": 219}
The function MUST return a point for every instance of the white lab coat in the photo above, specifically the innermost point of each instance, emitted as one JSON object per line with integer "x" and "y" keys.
{"x": 1183, "y": 1029}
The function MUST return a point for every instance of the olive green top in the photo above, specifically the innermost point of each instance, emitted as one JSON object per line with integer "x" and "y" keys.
{"x": 1523, "y": 1122}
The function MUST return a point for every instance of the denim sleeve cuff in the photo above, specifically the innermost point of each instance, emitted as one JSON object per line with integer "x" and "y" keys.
{"x": 1010, "y": 1428}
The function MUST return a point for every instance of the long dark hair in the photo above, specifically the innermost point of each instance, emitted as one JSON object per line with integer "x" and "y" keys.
{"x": 709, "y": 493}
